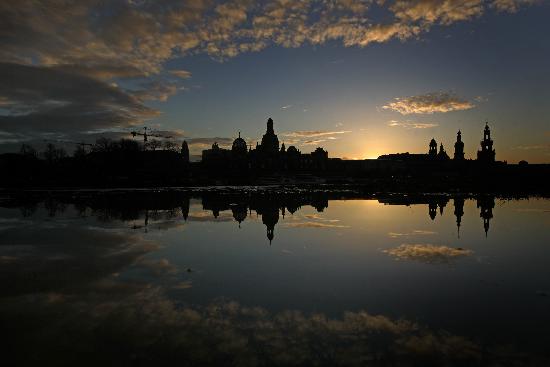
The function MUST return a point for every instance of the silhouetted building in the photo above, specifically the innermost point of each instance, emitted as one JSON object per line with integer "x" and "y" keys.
{"x": 319, "y": 159}
{"x": 459, "y": 147}
{"x": 185, "y": 151}
{"x": 270, "y": 142}
{"x": 432, "y": 152}
{"x": 442, "y": 155}
{"x": 216, "y": 157}
{"x": 239, "y": 146}
{"x": 487, "y": 153}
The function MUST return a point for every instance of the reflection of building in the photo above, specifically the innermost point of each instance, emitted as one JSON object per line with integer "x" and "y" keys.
{"x": 487, "y": 153}
{"x": 434, "y": 202}
{"x": 185, "y": 208}
{"x": 432, "y": 209}
{"x": 486, "y": 205}
{"x": 240, "y": 212}
{"x": 270, "y": 217}
{"x": 459, "y": 212}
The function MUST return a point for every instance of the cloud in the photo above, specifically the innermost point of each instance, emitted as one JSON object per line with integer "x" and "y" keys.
{"x": 311, "y": 137}
{"x": 183, "y": 74}
{"x": 157, "y": 91}
{"x": 416, "y": 232}
{"x": 286, "y": 107}
{"x": 40, "y": 99}
{"x": 437, "y": 11}
{"x": 512, "y": 6}
{"x": 138, "y": 37}
{"x": 313, "y": 133}
{"x": 198, "y": 144}
{"x": 86, "y": 45}
{"x": 412, "y": 125}
{"x": 429, "y": 103}
{"x": 533, "y": 147}
{"x": 427, "y": 253}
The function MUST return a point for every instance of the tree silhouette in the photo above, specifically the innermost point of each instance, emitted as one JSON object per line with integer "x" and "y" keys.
{"x": 28, "y": 151}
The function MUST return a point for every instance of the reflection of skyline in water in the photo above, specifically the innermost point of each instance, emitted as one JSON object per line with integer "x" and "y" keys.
{"x": 269, "y": 207}
{"x": 172, "y": 277}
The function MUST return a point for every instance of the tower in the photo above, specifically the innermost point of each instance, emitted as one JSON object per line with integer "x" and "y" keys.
{"x": 270, "y": 142}
{"x": 432, "y": 152}
{"x": 486, "y": 205}
{"x": 442, "y": 155}
{"x": 459, "y": 147}
{"x": 459, "y": 212}
{"x": 185, "y": 151}
{"x": 487, "y": 153}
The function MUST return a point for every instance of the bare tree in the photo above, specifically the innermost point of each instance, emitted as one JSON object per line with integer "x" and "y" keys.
{"x": 79, "y": 152}
{"x": 154, "y": 144}
{"x": 103, "y": 144}
{"x": 53, "y": 154}
{"x": 28, "y": 150}
{"x": 170, "y": 145}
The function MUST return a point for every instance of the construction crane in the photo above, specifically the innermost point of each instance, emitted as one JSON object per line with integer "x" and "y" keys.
{"x": 145, "y": 135}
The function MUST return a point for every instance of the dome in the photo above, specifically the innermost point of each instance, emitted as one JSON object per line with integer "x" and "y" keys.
{"x": 292, "y": 149}
{"x": 239, "y": 145}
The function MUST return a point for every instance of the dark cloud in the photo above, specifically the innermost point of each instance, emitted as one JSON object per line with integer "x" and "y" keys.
{"x": 132, "y": 324}
{"x": 40, "y": 99}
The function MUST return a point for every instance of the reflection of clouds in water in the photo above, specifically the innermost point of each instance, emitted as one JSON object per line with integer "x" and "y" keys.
{"x": 313, "y": 225}
{"x": 208, "y": 216}
{"x": 132, "y": 324}
{"x": 427, "y": 253}
{"x": 533, "y": 210}
{"x": 43, "y": 258}
{"x": 416, "y": 232}
{"x": 6, "y": 223}
{"x": 318, "y": 217}
{"x": 158, "y": 267}
{"x": 183, "y": 285}
{"x": 312, "y": 221}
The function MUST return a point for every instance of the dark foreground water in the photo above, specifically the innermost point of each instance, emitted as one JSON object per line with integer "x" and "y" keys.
{"x": 264, "y": 279}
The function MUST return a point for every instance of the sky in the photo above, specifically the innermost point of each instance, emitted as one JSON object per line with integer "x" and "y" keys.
{"x": 359, "y": 78}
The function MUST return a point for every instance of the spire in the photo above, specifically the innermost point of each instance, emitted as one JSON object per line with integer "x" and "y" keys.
{"x": 270, "y": 130}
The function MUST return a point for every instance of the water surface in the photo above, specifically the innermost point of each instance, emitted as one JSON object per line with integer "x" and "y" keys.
{"x": 275, "y": 279}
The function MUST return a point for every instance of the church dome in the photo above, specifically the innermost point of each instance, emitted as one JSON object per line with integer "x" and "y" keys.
{"x": 292, "y": 149}
{"x": 239, "y": 145}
